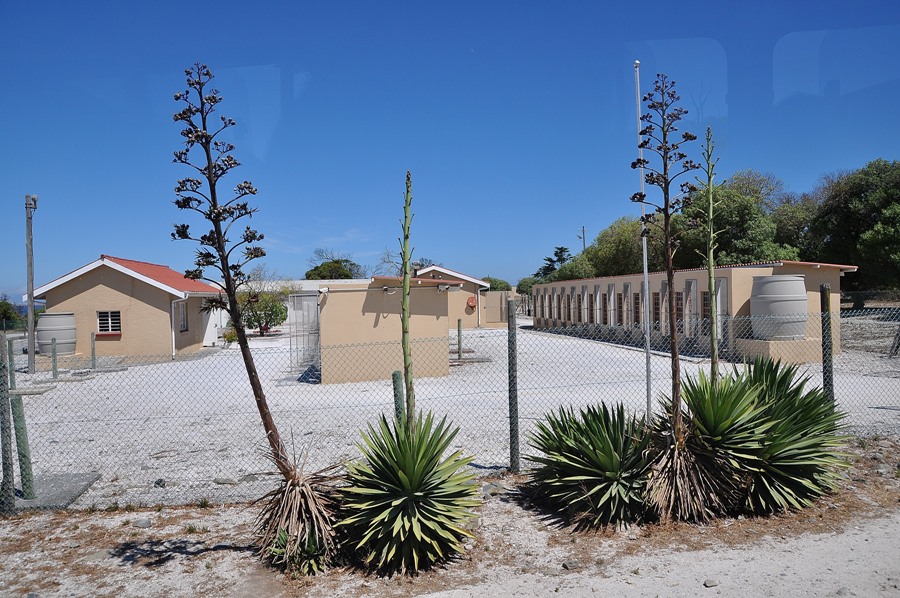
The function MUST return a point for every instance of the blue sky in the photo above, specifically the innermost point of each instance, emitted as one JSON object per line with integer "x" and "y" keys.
{"x": 517, "y": 119}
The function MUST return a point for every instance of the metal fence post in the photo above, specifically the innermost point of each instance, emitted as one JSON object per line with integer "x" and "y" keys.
{"x": 53, "y": 357}
{"x": 7, "y": 487}
{"x": 12, "y": 363}
{"x": 93, "y": 350}
{"x": 459, "y": 351}
{"x": 827, "y": 349}
{"x": 23, "y": 449}
{"x": 513, "y": 387}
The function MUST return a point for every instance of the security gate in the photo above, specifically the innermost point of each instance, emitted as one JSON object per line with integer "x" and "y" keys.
{"x": 303, "y": 318}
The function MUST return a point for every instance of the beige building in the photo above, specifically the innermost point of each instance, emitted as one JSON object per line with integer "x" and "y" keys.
{"x": 132, "y": 308}
{"x": 467, "y": 301}
{"x": 357, "y": 333}
{"x": 617, "y": 303}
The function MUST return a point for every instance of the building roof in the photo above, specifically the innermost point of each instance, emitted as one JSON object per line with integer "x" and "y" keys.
{"x": 440, "y": 271}
{"x": 416, "y": 281}
{"x": 773, "y": 263}
{"x": 156, "y": 275}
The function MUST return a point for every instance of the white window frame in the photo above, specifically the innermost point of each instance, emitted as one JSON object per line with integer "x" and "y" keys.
{"x": 182, "y": 317}
{"x": 109, "y": 322}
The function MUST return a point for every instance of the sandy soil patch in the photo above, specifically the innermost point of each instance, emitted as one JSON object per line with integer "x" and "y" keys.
{"x": 843, "y": 546}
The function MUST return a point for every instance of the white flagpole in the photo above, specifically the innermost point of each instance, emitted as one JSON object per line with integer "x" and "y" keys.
{"x": 646, "y": 289}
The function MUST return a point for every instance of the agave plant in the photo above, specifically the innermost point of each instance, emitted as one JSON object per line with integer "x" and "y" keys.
{"x": 295, "y": 527}
{"x": 708, "y": 473}
{"x": 799, "y": 456}
{"x": 406, "y": 503}
{"x": 592, "y": 469}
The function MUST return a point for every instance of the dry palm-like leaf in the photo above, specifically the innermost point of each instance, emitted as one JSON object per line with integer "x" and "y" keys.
{"x": 294, "y": 529}
{"x": 683, "y": 483}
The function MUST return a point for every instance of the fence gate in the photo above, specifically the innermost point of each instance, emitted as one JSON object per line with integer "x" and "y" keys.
{"x": 303, "y": 318}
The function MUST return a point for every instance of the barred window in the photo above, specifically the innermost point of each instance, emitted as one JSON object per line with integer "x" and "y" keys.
{"x": 620, "y": 309}
{"x": 182, "y": 317}
{"x": 604, "y": 306}
{"x": 109, "y": 321}
{"x": 636, "y": 309}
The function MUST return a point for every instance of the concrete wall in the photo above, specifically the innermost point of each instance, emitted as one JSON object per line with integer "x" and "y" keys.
{"x": 612, "y": 302}
{"x": 359, "y": 327}
{"x": 493, "y": 309}
{"x": 145, "y": 312}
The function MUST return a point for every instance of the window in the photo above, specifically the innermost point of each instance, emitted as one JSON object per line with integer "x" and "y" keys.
{"x": 568, "y": 308}
{"x": 679, "y": 310}
{"x": 620, "y": 310}
{"x": 706, "y": 312}
{"x": 182, "y": 317}
{"x": 636, "y": 308}
{"x": 109, "y": 322}
{"x": 657, "y": 311}
{"x": 604, "y": 306}
{"x": 578, "y": 306}
{"x": 591, "y": 317}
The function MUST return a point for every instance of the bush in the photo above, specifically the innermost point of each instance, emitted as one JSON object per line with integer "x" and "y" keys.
{"x": 406, "y": 504}
{"x": 798, "y": 457}
{"x": 593, "y": 470}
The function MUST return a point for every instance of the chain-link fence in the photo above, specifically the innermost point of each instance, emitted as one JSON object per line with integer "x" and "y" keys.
{"x": 164, "y": 431}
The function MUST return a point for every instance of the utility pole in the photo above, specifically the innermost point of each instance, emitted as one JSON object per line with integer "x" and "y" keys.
{"x": 583, "y": 238}
{"x": 30, "y": 208}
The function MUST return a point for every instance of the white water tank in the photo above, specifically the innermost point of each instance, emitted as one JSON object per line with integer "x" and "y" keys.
{"x": 778, "y": 306}
{"x": 60, "y": 326}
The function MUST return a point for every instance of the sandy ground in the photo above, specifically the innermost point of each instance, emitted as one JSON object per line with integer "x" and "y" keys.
{"x": 179, "y": 432}
{"x": 171, "y": 434}
{"x": 845, "y": 545}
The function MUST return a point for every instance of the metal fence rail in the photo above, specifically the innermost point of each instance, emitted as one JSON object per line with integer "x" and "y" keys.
{"x": 164, "y": 431}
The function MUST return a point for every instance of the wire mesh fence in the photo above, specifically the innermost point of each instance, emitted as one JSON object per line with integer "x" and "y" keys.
{"x": 160, "y": 430}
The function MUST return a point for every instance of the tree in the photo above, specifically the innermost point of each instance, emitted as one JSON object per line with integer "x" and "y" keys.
{"x": 390, "y": 263}
{"x": 793, "y": 218}
{"x": 846, "y": 228}
{"x": 881, "y": 244}
{"x": 263, "y": 310}
{"x": 332, "y": 270}
{"x": 217, "y": 250}
{"x": 497, "y": 284}
{"x": 296, "y": 517}
{"x": 668, "y": 484}
{"x": 525, "y": 285}
{"x": 577, "y": 268}
{"x": 617, "y": 250}
{"x": 552, "y": 263}
{"x": 747, "y": 233}
{"x": 8, "y": 314}
{"x": 322, "y": 256}
{"x": 659, "y": 138}
{"x": 766, "y": 188}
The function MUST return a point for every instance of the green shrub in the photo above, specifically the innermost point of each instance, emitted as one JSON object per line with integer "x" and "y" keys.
{"x": 229, "y": 336}
{"x": 407, "y": 504}
{"x": 727, "y": 429}
{"x": 592, "y": 469}
{"x": 799, "y": 455}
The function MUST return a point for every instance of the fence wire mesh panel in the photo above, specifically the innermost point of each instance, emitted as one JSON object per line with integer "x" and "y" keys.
{"x": 160, "y": 430}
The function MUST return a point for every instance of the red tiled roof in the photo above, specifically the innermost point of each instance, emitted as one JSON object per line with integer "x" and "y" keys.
{"x": 163, "y": 275}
